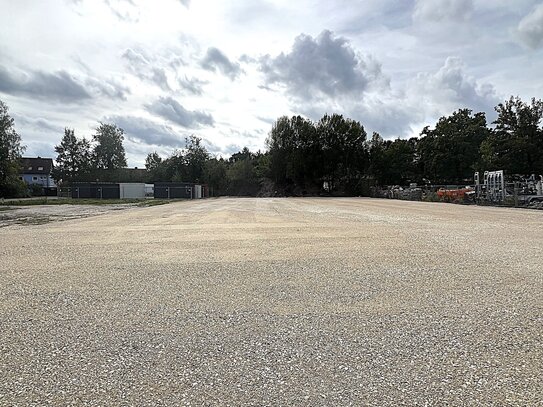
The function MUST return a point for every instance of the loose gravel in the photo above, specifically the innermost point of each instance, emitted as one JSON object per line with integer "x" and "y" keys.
{"x": 268, "y": 302}
{"x": 40, "y": 214}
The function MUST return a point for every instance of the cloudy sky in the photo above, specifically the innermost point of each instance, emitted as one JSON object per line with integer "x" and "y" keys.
{"x": 225, "y": 70}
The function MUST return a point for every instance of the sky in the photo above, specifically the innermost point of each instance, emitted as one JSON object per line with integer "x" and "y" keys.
{"x": 224, "y": 71}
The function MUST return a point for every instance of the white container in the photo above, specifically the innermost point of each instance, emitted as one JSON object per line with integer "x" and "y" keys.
{"x": 197, "y": 191}
{"x": 132, "y": 190}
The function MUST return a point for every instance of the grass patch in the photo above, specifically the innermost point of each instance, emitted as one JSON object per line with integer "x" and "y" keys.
{"x": 5, "y": 209}
{"x": 70, "y": 201}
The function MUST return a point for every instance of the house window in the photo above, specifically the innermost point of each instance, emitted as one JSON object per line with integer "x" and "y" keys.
{"x": 34, "y": 178}
{"x": 40, "y": 168}
{"x": 42, "y": 177}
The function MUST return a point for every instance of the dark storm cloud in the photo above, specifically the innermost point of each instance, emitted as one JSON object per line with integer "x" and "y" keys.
{"x": 59, "y": 86}
{"x": 142, "y": 66}
{"x": 141, "y": 130}
{"x": 326, "y": 65}
{"x": 215, "y": 60}
{"x": 192, "y": 85}
{"x": 171, "y": 110}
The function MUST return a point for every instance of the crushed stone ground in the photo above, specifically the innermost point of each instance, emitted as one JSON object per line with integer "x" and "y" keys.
{"x": 316, "y": 302}
{"x": 40, "y": 214}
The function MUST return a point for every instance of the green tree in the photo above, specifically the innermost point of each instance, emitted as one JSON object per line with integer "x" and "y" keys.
{"x": 242, "y": 176}
{"x": 401, "y": 164}
{"x": 109, "y": 152}
{"x": 10, "y": 154}
{"x": 215, "y": 176}
{"x": 304, "y": 154}
{"x": 516, "y": 144}
{"x": 450, "y": 152}
{"x": 377, "y": 164}
{"x": 195, "y": 157}
{"x": 262, "y": 165}
{"x": 152, "y": 161}
{"x": 244, "y": 154}
{"x": 343, "y": 143}
{"x": 74, "y": 158}
{"x": 282, "y": 143}
{"x": 176, "y": 167}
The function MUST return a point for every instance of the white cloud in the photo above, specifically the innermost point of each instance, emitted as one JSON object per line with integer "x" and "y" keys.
{"x": 215, "y": 60}
{"x": 530, "y": 28}
{"x": 442, "y": 10}
{"x": 451, "y": 88}
{"x": 383, "y": 65}
{"x": 170, "y": 109}
{"x": 60, "y": 86}
{"x": 142, "y": 130}
{"x": 325, "y": 66}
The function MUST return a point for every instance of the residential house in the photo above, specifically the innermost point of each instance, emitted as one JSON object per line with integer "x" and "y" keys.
{"x": 37, "y": 171}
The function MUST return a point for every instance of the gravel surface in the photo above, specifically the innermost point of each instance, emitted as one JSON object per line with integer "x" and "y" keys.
{"x": 230, "y": 302}
{"x": 40, "y": 214}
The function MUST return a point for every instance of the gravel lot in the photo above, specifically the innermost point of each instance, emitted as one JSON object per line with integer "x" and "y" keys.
{"x": 40, "y": 214}
{"x": 259, "y": 302}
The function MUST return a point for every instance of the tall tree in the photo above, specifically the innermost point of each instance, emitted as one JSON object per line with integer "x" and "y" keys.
{"x": 281, "y": 143}
{"x": 73, "y": 161}
{"x": 343, "y": 143}
{"x": 10, "y": 154}
{"x": 152, "y": 161}
{"x": 176, "y": 167}
{"x": 215, "y": 176}
{"x": 242, "y": 175}
{"x": 450, "y": 152}
{"x": 400, "y": 159}
{"x": 109, "y": 151}
{"x": 196, "y": 156}
{"x": 377, "y": 164}
{"x": 516, "y": 144}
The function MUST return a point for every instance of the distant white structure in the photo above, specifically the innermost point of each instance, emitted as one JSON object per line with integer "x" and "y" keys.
{"x": 149, "y": 190}
{"x": 131, "y": 190}
{"x": 197, "y": 191}
{"x": 492, "y": 189}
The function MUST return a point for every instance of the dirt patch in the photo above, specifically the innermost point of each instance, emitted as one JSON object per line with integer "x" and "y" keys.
{"x": 40, "y": 214}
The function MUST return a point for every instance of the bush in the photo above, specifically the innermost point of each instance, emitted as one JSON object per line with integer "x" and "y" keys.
{"x": 13, "y": 188}
{"x": 35, "y": 190}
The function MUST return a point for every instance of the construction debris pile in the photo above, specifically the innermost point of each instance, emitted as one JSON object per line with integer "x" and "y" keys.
{"x": 412, "y": 193}
{"x": 490, "y": 189}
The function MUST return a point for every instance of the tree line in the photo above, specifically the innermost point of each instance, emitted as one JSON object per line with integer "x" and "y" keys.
{"x": 305, "y": 154}
{"x": 332, "y": 155}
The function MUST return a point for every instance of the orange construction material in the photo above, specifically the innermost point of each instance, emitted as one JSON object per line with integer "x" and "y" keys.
{"x": 452, "y": 194}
